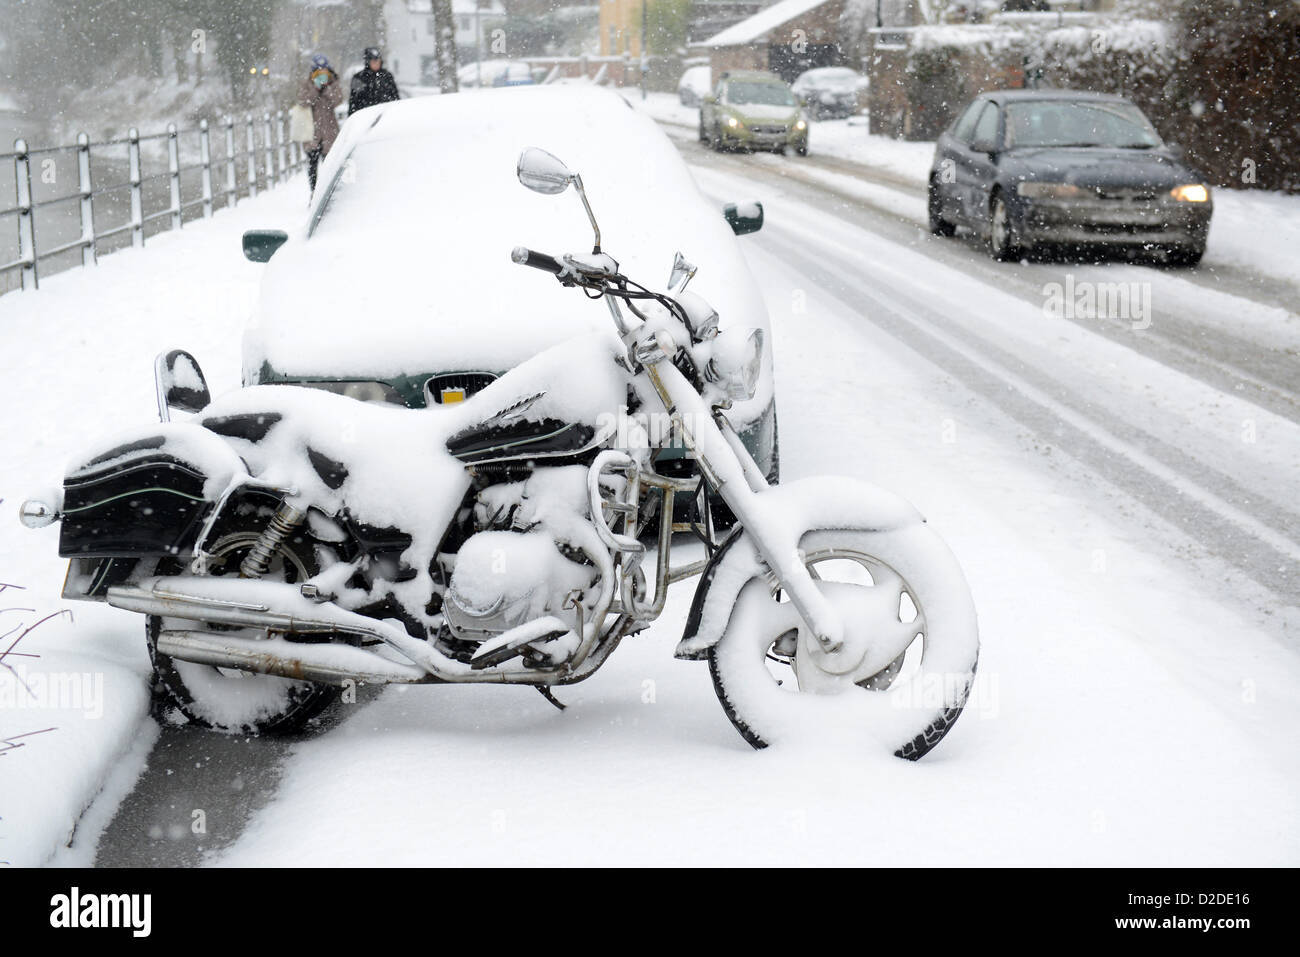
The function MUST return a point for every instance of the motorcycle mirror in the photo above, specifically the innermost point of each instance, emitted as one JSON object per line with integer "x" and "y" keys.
{"x": 543, "y": 173}
{"x": 180, "y": 384}
{"x": 683, "y": 272}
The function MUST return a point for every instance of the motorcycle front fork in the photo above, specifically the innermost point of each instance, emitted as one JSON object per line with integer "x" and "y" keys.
{"x": 732, "y": 472}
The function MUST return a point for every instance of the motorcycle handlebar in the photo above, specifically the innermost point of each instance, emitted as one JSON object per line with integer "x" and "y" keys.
{"x": 528, "y": 257}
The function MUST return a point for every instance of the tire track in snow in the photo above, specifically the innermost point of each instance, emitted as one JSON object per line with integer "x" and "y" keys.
{"x": 1196, "y": 499}
{"x": 1231, "y": 364}
{"x": 227, "y": 778}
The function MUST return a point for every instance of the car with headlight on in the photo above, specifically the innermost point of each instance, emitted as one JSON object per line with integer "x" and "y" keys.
{"x": 399, "y": 286}
{"x": 830, "y": 92}
{"x": 753, "y": 110}
{"x": 1037, "y": 168}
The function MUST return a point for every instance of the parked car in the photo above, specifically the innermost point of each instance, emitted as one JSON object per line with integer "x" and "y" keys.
{"x": 753, "y": 110}
{"x": 1026, "y": 168}
{"x": 829, "y": 92}
{"x": 694, "y": 85}
{"x": 495, "y": 73}
{"x": 399, "y": 287}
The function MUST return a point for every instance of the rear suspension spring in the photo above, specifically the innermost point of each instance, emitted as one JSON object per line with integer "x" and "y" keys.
{"x": 281, "y": 526}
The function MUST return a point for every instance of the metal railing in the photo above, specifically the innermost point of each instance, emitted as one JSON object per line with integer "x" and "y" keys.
{"x": 257, "y": 165}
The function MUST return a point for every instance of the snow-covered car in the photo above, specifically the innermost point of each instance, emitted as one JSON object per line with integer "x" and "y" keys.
{"x": 400, "y": 288}
{"x": 695, "y": 85}
{"x": 830, "y": 92}
{"x": 495, "y": 73}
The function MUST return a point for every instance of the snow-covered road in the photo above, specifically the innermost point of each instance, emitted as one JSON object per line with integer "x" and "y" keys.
{"x": 1121, "y": 499}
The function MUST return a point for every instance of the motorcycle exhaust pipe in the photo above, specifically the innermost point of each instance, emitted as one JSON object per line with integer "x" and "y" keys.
{"x": 155, "y": 597}
{"x": 300, "y": 662}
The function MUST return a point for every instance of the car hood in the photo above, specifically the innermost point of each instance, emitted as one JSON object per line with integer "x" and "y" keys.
{"x": 1092, "y": 167}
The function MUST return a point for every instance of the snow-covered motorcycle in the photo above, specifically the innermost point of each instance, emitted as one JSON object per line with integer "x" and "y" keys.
{"x": 286, "y": 542}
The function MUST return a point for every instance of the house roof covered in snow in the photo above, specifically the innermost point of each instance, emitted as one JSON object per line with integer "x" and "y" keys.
{"x": 763, "y": 22}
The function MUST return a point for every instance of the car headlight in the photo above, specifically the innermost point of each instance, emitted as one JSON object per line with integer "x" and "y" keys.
{"x": 362, "y": 391}
{"x": 801, "y": 125}
{"x": 1190, "y": 193}
{"x": 1050, "y": 191}
{"x": 735, "y": 360}
{"x": 733, "y": 122}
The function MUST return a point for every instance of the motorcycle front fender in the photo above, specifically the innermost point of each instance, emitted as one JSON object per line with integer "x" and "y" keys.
{"x": 812, "y": 504}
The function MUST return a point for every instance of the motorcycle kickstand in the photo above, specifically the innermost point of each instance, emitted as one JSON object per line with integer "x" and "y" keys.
{"x": 546, "y": 693}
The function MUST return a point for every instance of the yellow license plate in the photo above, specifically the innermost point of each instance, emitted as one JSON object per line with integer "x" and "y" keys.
{"x": 452, "y": 396}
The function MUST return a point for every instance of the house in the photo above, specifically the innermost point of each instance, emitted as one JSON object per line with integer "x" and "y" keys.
{"x": 409, "y": 54}
{"x": 787, "y": 38}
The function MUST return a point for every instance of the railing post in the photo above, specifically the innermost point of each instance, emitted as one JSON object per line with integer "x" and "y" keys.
{"x": 205, "y": 159}
{"x": 89, "y": 253}
{"x": 252, "y": 160}
{"x": 279, "y": 144}
{"x": 26, "y": 216}
{"x": 232, "y": 194}
{"x": 266, "y": 148}
{"x": 174, "y": 173}
{"x": 137, "y": 206}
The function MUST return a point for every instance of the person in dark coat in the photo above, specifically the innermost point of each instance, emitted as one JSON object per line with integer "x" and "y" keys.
{"x": 320, "y": 92}
{"x": 372, "y": 85}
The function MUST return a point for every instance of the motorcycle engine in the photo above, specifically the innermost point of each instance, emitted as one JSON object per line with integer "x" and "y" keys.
{"x": 506, "y": 578}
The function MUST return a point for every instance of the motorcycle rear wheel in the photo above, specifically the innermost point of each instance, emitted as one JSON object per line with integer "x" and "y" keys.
{"x": 229, "y": 700}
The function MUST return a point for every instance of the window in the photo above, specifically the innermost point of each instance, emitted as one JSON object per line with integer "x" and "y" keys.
{"x": 1079, "y": 123}
{"x": 986, "y": 128}
{"x": 760, "y": 94}
{"x": 965, "y": 125}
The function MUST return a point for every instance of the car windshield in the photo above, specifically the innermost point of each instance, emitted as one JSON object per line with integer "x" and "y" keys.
{"x": 759, "y": 93}
{"x": 1078, "y": 123}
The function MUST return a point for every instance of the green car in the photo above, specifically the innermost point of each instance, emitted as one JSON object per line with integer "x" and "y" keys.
{"x": 753, "y": 110}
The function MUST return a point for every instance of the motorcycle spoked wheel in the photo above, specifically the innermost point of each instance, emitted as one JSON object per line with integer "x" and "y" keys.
{"x": 230, "y": 700}
{"x": 904, "y": 593}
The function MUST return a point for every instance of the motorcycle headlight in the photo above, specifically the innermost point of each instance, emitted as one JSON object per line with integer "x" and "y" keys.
{"x": 1190, "y": 193}
{"x": 736, "y": 358}
{"x": 1050, "y": 191}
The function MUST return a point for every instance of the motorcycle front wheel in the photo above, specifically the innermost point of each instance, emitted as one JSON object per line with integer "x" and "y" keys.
{"x": 910, "y": 651}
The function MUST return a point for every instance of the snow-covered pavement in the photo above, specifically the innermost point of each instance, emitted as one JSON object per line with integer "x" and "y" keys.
{"x": 78, "y": 365}
{"x": 1136, "y": 691}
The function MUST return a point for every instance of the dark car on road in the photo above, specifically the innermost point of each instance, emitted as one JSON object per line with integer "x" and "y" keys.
{"x": 1029, "y": 168}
